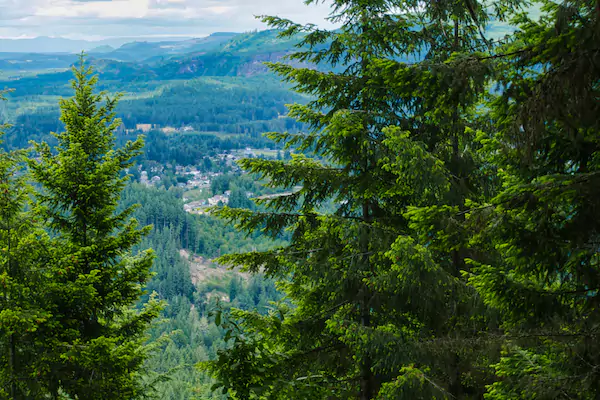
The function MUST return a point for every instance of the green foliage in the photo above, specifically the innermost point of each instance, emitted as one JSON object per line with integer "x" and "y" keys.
{"x": 94, "y": 278}
{"x": 191, "y": 285}
{"x": 381, "y": 307}
{"x": 540, "y": 231}
{"x": 434, "y": 232}
{"x": 23, "y": 310}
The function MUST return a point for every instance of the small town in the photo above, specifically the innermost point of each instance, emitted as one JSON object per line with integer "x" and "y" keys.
{"x": 198, "y": 196}
{"x": 149, "y": 127}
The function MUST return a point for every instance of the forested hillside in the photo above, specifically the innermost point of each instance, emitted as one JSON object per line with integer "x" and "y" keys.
{"x": 223, "y": 88}
{"x": 221, "y": 115}
{"x": 405, "y": 207}
{"x": 183, "y": 280}
{"x": 192, "y": 285}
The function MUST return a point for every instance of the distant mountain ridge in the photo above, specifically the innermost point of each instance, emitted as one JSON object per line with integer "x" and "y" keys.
{"x": 144, "y": 50}
{"x": 220, "y": 54}
{"x": 44, "y": 44}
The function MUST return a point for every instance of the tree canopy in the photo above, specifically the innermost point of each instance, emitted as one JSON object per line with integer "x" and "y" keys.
{"x": 428, "y": 229}
{"x": 461, "y": 169}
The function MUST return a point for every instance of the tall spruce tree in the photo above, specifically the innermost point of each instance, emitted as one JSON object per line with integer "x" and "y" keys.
{"x": 98, "y": 347}
{"x": 541, "y": 232}
{"x": 22, "y": 284}
{"x": 381, "y": 308}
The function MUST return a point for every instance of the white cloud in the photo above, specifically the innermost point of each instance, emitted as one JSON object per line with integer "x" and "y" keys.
{"x": 94, "y": 9}
{"x": 16, "y": 9}
{"x": 103, "y": 18}
{"x": 218, "y": 9}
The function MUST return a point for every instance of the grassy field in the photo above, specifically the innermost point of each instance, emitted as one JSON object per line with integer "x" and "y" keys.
{"x": 220, "y": 135}
{"x": 196, "y": 194}
{"x": 267, "y": 153}
{"x": 9, "y": 75}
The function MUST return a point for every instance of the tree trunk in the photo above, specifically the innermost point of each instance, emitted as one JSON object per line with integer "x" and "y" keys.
{"x": 366, "y": 375}
{"x": 12, "y": 345}
{"x": 13, "y": 363}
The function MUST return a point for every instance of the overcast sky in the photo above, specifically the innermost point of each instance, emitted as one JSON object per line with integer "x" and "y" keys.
{"x": 98, "y": 19}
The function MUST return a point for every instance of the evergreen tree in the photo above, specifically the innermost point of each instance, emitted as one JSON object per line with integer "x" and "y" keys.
{"x": 541, "y": 231}
{"x": 98, "y": 348}
{"x": 234, "y": 288}
{"x": 22, "y": 285}
{"x": 381, "y": 305}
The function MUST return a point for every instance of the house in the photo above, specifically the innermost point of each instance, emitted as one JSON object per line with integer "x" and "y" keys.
{"x": 144, "y": 178}
{"x": 144, "y": 127}
{"x": 195, "y": 207}
{"x": 213, "y": 201}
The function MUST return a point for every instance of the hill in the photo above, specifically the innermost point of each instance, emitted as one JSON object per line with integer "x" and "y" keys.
{"x": 156, "y": 51}
{"x": 44, "y": 44}
{"x": 220, "y": 54}
{"x": 216, "y": 85}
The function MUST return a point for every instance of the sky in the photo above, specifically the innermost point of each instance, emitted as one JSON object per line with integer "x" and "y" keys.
{"x": 100, "y": 19}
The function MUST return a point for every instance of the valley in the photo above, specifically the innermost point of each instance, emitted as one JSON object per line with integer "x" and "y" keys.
{"x": 202, "y": 104}
{"x": 398, "y": 202}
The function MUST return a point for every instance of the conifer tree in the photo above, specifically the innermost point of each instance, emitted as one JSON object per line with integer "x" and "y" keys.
{"x": 541, "y": 231}
{"x": 381, "y": 306}
{"x": 98, "y": 348}
{"x": 21, "y": 284}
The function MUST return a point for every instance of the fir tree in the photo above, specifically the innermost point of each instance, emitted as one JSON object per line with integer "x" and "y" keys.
{"x": 541, "y": 231}
{"x": 99, "y": 346}
{"x": 381, "y": 305}
{"x": 22, "y": 284}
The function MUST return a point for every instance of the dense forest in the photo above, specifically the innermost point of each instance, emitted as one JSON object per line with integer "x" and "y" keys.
{"x": 239, "y": 109}
{"x": 182, "y": 285}
{"x": 460, "y": 259}
{"x": 426, "y": 230}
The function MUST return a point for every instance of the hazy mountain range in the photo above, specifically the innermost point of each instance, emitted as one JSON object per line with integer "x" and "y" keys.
{"x": 220, "y": 54}
{"x": 45, "y": 44}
